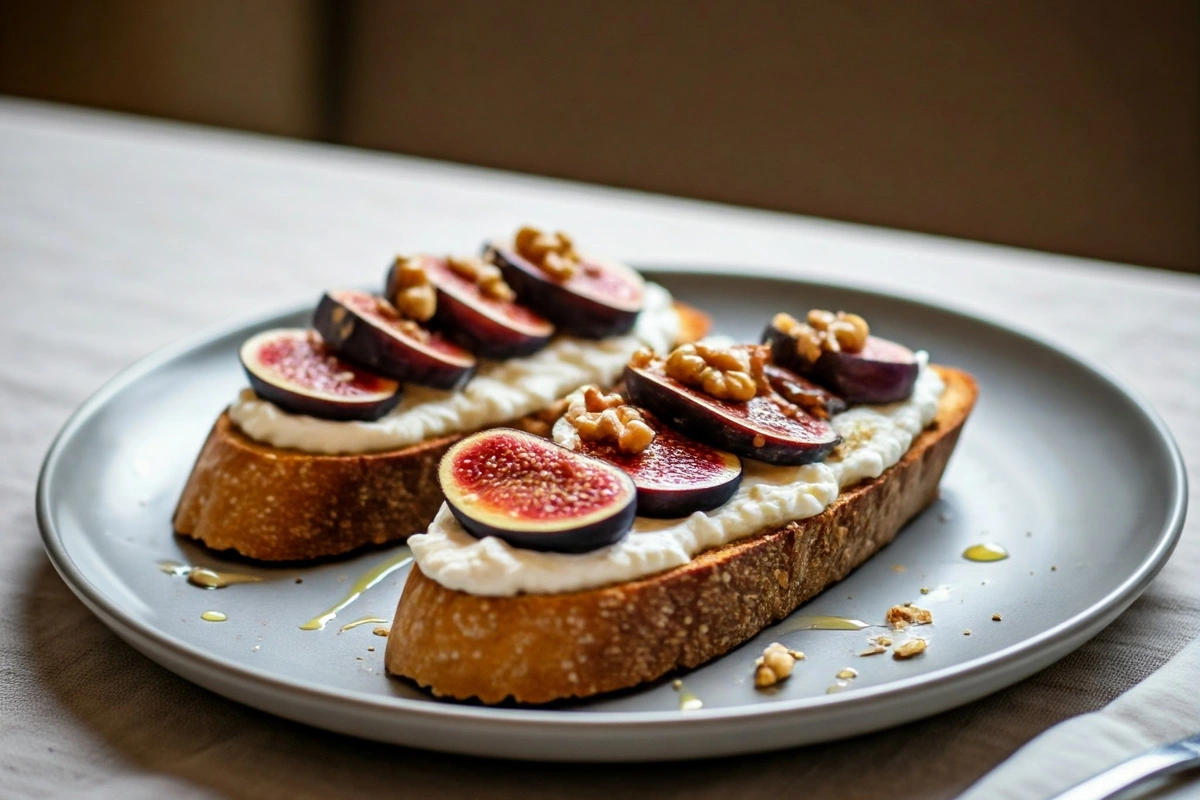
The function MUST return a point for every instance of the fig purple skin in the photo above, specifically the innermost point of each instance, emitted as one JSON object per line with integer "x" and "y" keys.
{"x": 816, "y": 400}
{"x": 534, "y": 494}
{"x": 675, "y": 476}
{"x": 296, "y": 371}
{"x": 882, "y": 372}
{"x": 487, "y": 327}
{"x": 365, "y": 329}
{"x": 603, "y": 298}
{"x": 757, "y": 429}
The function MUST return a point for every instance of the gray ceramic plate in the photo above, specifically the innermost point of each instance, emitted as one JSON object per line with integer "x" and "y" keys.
{"x": 1071, "y": 472}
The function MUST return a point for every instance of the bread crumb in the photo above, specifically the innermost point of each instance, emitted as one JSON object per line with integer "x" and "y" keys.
{"x": 370, "y": 649}
{"x": 908, "y": 614}
{"x": 873, "y": 650}
{"x": 924, "y": 590}
{"x": 911, "y": 648}
{"x": 995, "y": 617}
{"x": 967, "y": 632}
{"x": 381, "y": 631}
{"x": 677, "y": 684}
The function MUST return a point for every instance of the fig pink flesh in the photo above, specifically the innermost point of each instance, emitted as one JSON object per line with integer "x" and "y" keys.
{"x": 302, "y": 361}
{"x": 877, "y": 349}
{"x": 532, "y": 480}
{"x": 670, "y": 460}
{"x": 368, "y": 306}
{"x": 593, "y": 278}
{"x": 501, "y": 308}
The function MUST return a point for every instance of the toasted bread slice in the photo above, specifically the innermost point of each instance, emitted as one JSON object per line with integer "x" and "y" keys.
{"x": 276, "y": 504}
{"x": 537, "y": 648}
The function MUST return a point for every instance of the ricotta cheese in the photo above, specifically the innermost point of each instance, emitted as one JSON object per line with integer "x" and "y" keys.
{"x": 874, "y": 438}
{"x": 500, "y": 391}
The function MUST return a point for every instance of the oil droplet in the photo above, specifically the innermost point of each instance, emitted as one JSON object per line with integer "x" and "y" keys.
{"x": 204, "y": 577}
{"x": 849, "y": 673}
{"x": 360, "y": 621}
{"x": 403, "y": 558}
{"x": 213, "y": 616}
{"x": 690, "y": 702}
{"x": 988, "y": 551}
{"x": 820, "y": 622}
{"x": 211, "y": 579}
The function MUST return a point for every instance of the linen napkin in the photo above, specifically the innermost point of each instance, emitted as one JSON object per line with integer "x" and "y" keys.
{"x": 1161, "y": 709}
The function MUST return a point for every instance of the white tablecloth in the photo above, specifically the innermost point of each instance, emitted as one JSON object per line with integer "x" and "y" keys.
{"x": 119, "y": 235}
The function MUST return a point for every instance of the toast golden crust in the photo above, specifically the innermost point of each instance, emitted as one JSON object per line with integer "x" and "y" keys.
{"x": 538, "y": 648}
{"x": 274, "y": 504}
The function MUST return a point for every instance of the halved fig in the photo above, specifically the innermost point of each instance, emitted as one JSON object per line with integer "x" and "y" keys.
{"x": 602, "y": 298}
{"x": 800, "y": 391}
{"x": 487, "y": 326}
{"x": 763, "y": 428}
{"x": 296, "y": 371}
{"x": 534, "y": 494}
{"x": 882, "y": 372}
{"x": 369, "y": 331}
{"x": 674, "y": 475}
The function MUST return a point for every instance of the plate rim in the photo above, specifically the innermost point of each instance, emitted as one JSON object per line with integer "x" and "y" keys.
{"x": 1020, "y": 659}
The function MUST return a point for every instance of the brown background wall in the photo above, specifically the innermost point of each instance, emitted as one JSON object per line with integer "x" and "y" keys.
{"x": 1064, "y": 125}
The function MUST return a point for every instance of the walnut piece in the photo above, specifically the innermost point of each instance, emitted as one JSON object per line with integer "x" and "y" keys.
{"x": 554, "y": 253}
{"x": 606, "y": 417}
{"x": 486, "y": 276}
{"x": 913, "y": 647}
{"x": 824, "y": 331}
{"x": 723, "y": 373}
{"x": 415, "y": 297}
{"x": 774, "y": 665}
{"x": 908, "y": 614}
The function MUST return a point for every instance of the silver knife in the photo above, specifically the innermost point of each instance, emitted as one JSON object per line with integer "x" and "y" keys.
{"x": 1156, "y": 763}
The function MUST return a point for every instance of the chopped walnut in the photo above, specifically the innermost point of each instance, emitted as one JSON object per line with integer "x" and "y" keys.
{"x": 606, "y": 417}
{"x": 824, "y": 331}
{"x": 554, "y": 253}
{"x": 723, "y": 373}
{"x": 641, "y": 357}
{"x": 908, "y": 614}
{"x": 774, "y": 665}
{"x": 913, "y": 647}
{"x": 415, "y": 298}
{"x": 486, "y": 276}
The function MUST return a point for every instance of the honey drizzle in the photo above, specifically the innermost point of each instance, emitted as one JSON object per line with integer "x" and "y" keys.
{"x": 402, "y": 559}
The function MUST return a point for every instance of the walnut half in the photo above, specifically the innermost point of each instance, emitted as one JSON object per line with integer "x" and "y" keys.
{"x": 554, "y": 253}
{"x": 723, "y": 373}
{"x": 606, "y": 417}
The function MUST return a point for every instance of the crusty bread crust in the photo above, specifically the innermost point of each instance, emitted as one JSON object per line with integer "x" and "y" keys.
{"x": 538, "y": 648}
{"x": 275, "y": 504}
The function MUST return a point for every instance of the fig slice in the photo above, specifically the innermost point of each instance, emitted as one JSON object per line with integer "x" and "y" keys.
{"x": 800, "y": 391}
{"x": 675, "y": 476}
{"x": 296, "y": 371}
{"x": 487, "y": 326}
{"x": 602, "y": 298}
{"x": 764, "y": 428}
{"x": 882, "y": 372}
{"x": 535, "y": 494}
{"x": 369, "y": 331}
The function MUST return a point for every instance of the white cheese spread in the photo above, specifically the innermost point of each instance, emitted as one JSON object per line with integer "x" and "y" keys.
{"x": 874, "y": 438}
{"x": 501, "y": 391}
